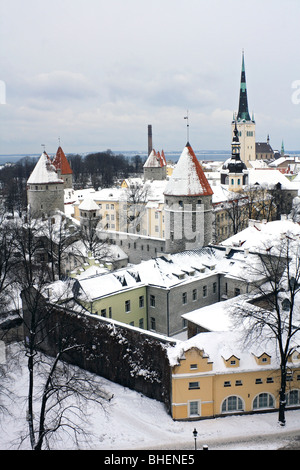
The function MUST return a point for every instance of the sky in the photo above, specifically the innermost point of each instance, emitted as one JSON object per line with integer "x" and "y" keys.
{"x": 92, "y": 74}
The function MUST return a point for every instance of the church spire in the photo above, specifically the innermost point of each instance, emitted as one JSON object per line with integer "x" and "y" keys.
{"x": 243, "y": 113}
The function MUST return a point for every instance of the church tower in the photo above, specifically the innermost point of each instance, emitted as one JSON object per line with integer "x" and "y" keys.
{"x": 187, "y": 205}
{"x": 234, "y": 172}
{"x": 245, "y": 125}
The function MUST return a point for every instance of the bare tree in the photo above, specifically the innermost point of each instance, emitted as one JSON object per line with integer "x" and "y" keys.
{"x": 273, "y": 310}
{"x": 136, "y": 198}
{"x": 50, "y": 410}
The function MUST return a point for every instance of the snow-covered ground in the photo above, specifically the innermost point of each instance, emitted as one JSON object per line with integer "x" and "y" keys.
{"x": 132, "y": 422}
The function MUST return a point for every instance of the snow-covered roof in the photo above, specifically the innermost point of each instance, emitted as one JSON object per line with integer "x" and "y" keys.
{"x": 188, "y": 178}
{"x": 220, "y": 345}
{"x": 155, "y": 160}
{"x": 88, "y": 204}
{"x": 98, "y": 286}
{"x": 270, "y": 177}
{"x": 44, "y": 172}
{"x": 260, "y": 235}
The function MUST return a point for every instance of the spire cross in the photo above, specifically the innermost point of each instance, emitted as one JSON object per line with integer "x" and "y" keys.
{"x": 44, "y": 146}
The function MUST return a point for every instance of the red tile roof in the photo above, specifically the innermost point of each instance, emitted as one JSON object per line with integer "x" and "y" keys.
{"x": 60, "y": 162}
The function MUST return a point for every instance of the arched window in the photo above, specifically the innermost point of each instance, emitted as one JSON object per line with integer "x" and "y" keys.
{"x": 263, "y": 400}
{"x": 293, "y": 398}
{"x": 232, "y": 404}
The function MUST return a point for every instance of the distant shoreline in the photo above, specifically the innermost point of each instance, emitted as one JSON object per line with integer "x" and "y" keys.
{"x": 173, "y": 155}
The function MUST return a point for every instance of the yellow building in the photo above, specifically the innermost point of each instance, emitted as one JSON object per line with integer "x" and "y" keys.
{"x": 214, "y": 375}
{"x": 120, "y": 296}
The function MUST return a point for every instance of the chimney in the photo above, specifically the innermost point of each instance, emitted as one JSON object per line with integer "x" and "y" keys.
{"x": 149, "y": 139}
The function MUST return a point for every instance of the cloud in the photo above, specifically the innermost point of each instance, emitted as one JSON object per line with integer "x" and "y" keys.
{"x": 59, "y": 85}
{"x": 159, "y": 89}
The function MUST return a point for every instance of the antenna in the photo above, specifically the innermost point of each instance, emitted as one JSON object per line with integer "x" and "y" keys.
{"x": 59, "y": 141}
{"x": 187, "y": 125}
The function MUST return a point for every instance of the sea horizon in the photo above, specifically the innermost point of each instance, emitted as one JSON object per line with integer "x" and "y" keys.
{"x": 171, "y": 155}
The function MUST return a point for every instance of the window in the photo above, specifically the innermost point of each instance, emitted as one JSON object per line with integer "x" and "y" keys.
{"x": 233, "y": 362}
{"x": 141, "y": 301}
{"x": 194, "y": 408}
{"x": 263, "y": 400}
{"x": 141, "y": 323}
{"x": 270, "y": 380}
{"x": 103, "y": 312}
{"x": 109, "y": 312}
{"x": 237, "y": 291}
{"x": 194, "y": 294}
{"x": 293, "y": 398}
{"x": 194, "y": 385}
{"x": 152, "y": 300}
{"x": 184, "y": 298}
{"x": 204, "y": 291}
{"x": 258, "y": 381}
{"x": 193, "y": 366}
{"x": 238, "y": 383}
{"x": 214, "y": 288}
{"x": 107, "y": 206}
{"x": 227, "y": 383}
{"x": 232, "y": 404}
{"x": 152, "y": 323}
{"x": 112, "y": 206}
{"x": 127, "y": 306}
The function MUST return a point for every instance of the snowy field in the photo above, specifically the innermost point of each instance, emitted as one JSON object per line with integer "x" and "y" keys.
{"x": 133, "y": 422}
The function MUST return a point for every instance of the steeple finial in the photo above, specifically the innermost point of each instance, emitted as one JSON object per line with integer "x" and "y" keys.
{"x": 187, "y": 127}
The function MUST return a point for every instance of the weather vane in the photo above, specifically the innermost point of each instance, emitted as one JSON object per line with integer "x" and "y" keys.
{"x": 187, "y": 125}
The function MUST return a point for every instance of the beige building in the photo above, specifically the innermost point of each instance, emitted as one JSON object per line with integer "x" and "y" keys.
{"x": 214, "y": 375}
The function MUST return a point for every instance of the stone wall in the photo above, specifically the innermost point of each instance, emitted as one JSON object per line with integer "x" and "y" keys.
{"x": 134, "y": 358}
{"x": 137, "y": 247}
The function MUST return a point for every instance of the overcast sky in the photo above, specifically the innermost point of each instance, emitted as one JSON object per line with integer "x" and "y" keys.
{"x": 95, "y": 73}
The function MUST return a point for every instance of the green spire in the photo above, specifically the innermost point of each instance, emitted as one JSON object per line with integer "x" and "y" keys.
{"x": 243, "y": 113}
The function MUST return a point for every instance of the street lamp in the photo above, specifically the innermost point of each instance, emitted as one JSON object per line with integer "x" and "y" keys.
{"x": 195, "y": 433}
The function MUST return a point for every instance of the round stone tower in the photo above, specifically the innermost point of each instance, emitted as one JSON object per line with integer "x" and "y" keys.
{"x": 188, "y": 205}
{"x": 45, "y": 190}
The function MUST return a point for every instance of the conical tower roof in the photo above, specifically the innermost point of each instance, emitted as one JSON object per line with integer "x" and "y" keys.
{"x": 188, "y": 178}
{"x": 154, "y": 160}
{"x": 44, "y": 172}
{"x": 61, "y": 163}
{"x": 243, "y": 112}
